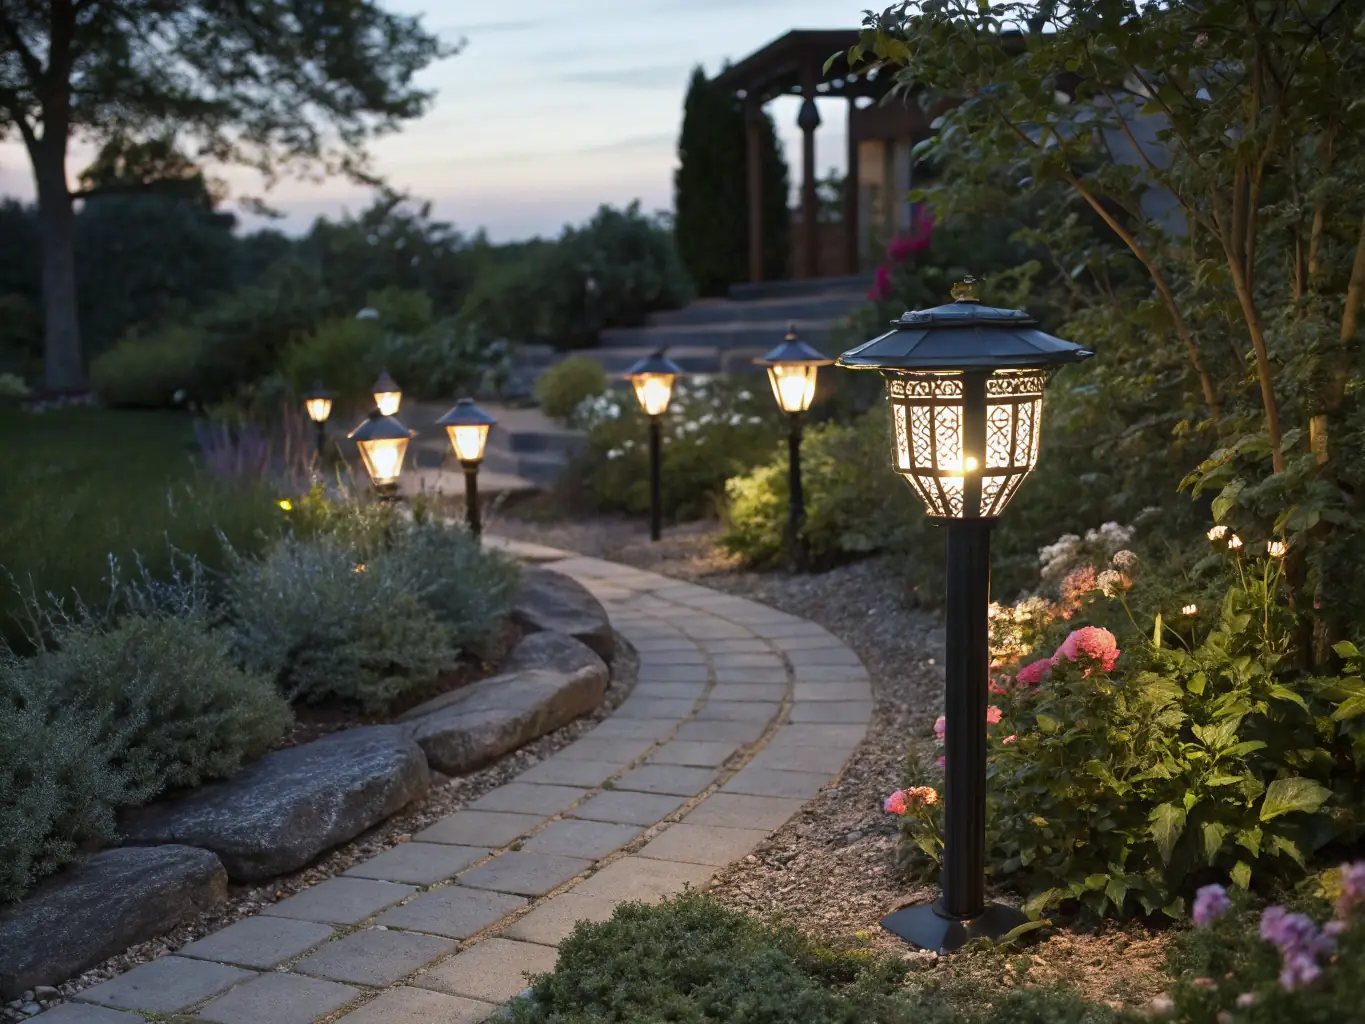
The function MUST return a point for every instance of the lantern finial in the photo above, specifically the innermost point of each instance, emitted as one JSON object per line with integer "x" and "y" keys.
{"x": 966, "y": 290}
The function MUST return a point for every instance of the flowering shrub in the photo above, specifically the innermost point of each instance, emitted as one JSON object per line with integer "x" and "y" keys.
{"x": 1240, "y": 967}
{"x": 715, "y": 428}
{"x": 1122, "y": 776}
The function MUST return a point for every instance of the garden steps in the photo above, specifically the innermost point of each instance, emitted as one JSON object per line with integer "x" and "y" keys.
{"x": 741, "y": 713}
{"x": 526, "y": 451}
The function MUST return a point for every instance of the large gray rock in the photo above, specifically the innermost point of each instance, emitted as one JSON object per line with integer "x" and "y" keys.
{"x": 466, "y": 728}
{"x": 549, "y": 600}
{"x": 557, "y": 652}
{"x": 290, "y": 806}
{"x": 99, "y": 907}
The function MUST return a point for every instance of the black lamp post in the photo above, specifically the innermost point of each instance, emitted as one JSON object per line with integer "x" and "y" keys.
{"x": 652, "y": 378}
{"x": 318, "y": 402}
{"x": 467, "y": 426}
{"x": 383, "y": 442}
{"x": 965, "y": 383}
{"x": 792, "y": 368}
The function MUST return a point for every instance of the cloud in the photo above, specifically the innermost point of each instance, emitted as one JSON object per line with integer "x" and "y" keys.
{"x": 485, "y": 27}
{"x": 631, "y": 144}
{"x": 652, "y": 77}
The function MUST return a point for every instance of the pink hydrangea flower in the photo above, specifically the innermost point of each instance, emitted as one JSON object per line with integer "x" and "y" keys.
{"x": 895, "y": 803}
{"x": 921, "y": 796}
{"x": 1034, "y": 673}
{"x": 1010, "y": 738}
{"x": 1092, "y": 642}
{"x": 940, "y": 727}
{"x": 992, "y": 714}
{"x": 1077, "y": 584}
{"x": 1210, "y": 903}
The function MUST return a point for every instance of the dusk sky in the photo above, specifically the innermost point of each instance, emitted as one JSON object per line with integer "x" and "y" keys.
{"x": 553, "y": 108}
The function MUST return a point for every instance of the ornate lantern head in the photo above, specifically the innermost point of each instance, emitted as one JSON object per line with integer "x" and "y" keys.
{"x": 792, "y": 367}
{"x": 965, "y": 382}
{"x": 318, "y": 402}
{"x": 387, "y": 394}
{"x": 467, "y": 426}
{"x": 383, "y": 442}
{"x": 652, "y": 378}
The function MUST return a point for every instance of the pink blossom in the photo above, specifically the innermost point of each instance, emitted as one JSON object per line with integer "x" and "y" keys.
{"x": 881, "y": 285}
{"x": 1210, "y": 903}
{"x": 1246, "y": 1000}
{"x": 1352, "y": 888}
{"x": 1091, "y": 642}
{"x": 1300, "y": 945}
{"x": 1077, "y": 584}
{"x": 942, "y": 760}
{"x": 992, "y": 714}
{"x": 1033, "y": 674}
{"x": 895, "y": 803}
{"x": 1010, "y": 738}
{"x": 940, "y": 727}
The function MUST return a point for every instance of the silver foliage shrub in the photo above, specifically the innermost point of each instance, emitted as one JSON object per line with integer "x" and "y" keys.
{"x": 325, "y": 625}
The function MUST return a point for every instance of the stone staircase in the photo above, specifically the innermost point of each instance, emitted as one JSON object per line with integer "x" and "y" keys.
{"x": 708, "y": 336}
{"x": 526, "y": 450}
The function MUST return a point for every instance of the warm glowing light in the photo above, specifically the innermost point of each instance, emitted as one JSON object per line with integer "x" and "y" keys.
{"x": 318, "y": 409}
{"x": 653, "y": 391}
{"x": 360, "y": 567}
{"x": 468, "y": 442}
{"x": 1234, "y": 542}
{"x": 1190, "y": 609}
{"x": 286, "y": 504}
{"x": 1218, "y": 532}
{"x": 1276, "y": 548}
{"x": 388, "y": 401}
{"x": 793, "y": 386}
{"x": 383, "y": 442}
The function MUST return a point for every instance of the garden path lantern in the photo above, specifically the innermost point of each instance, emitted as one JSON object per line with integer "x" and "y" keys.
{"x": 467, "y": 426}
{"x": 792, "y": 368}
{"x": 387, "y": 394}
{"x": 965, "y": 384}
{"x": 318, "y": 402}
{"x": 652, "y": 378}
{"x": 383, "y": 443}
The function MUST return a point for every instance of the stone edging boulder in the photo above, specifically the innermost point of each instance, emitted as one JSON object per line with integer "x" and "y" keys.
{"x": 293, "y": 805}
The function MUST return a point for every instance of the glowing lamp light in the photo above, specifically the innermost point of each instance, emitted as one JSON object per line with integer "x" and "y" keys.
{"x": 1234, "y": 542}
{"x": 792, "y": 368}
{"x": 1276, "y": 548}
{"x": 965, "y": 383}
{"x": 1218, "y": 532}
{"x": 383, "y": 443}
{"x": 318, "y": 402}
{"x": 1190, "y": 609}
{"x": 467, "y": 426}
{"x": 387, "y": 394}
{"x": 652, "y": 378}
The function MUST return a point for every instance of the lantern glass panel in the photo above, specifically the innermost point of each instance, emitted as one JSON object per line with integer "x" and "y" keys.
{"x": 318, "y": 409}
{"x": 388, "y": 401}
{"x": 468, "y": 441}
{"x": 383, "y": 459}
{"x": 653, "y": 391}
{"x": 930, "y": 431}
{"x": 793, "y": 385}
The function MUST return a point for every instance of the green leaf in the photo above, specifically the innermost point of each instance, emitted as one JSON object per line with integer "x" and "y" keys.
{"x": 1167, "y": 822}
{"x": 1250, "y": 839}
{"x": 1241, "y": 874}
{"x": 1222, "y": 504}
{"x": 1346, "y": 649}
{"x": 1298, "y": 794}
{"x": 1043, "y": 900}
{"x": 1222, "y": 779}
{"x": 1019, "y": 931}
{"x": 1348, "y": 709}
{"x": 1245, "y": 747}
{"x": 1214, "y": 834}
{"x": 1047, "y": 723}
{"x": 1117, "y": 890}
{"x": 1288, "y": 847}
{"x": 1281, "y": 692}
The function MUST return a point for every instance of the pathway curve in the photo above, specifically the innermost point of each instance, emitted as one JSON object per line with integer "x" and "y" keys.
{"x": 740, "y": 715}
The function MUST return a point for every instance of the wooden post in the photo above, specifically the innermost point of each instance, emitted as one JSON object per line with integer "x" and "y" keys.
{"x": 808, "y": 121}
{"x": 753, "y": 132}
{"x": 853, "y": 247}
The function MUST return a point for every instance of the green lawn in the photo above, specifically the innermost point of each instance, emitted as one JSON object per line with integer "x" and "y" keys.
{"x": 82, "y": 484}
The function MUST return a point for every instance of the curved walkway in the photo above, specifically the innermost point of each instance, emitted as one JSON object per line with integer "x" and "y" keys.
{"x": 740, "y": 715}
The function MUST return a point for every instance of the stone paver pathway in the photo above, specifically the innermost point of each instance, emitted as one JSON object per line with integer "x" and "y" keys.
{"x": 740, "y": 715}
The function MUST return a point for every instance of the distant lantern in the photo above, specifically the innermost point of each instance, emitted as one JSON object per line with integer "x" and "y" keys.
{"x": 387, "y": 395}
{"x": 383, "y": 443}
{"x": 653, "y": 378}
{"x": 468, "y": 427}
{"x": 318, "y": 402}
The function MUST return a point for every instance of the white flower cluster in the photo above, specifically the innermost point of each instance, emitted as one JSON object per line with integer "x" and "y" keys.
{"x": 597, "y": 409}
{"x": 1070, "y": 552}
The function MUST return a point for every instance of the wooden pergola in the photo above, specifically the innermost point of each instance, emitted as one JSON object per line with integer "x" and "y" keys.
{"x": 794, "y": 64}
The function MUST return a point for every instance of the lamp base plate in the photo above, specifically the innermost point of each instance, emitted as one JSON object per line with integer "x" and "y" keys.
{"x": 924, "y": 926}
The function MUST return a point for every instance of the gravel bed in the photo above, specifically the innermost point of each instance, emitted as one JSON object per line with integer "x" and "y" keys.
{"x": 446, "y": 796}
{"x": 832, "y": 871}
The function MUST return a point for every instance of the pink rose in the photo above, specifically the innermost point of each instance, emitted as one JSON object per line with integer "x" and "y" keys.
{"x": 1009, "y": 739}
{"x": 1035, "y": 673}
{"x": 992, "y": 714}
{"x": 1093, "y": 643}
{"x": 895, "y": 803}
{"x": 940, "y": 727}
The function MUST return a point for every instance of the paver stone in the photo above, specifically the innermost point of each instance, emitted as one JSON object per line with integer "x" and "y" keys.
{"x": 527, "y": 874}
{"x": 374, "y": 957}
{"x": 452, "y": 911}
{"x": 261, "y": 942}
{"x": 165, "y": 985}
{"x": 340, "y": 901}
{"x": 278, "y": 999}
{"x": 495, "y": 970}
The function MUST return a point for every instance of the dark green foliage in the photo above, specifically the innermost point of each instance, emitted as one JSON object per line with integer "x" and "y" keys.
{"x": 710, "y": 191}
{"x": 692, "y": 961}
{"x": 91, "y": 483}
{"x": 563, "y": 387}
{"x": 611, "y": 272}
{"x": 112, "y": 718}
{"x": 146, "y": 370}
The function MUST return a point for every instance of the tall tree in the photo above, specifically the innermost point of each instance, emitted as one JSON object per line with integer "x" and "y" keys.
{"x": 269, "y": 84}
{"x": 710, "y": 197}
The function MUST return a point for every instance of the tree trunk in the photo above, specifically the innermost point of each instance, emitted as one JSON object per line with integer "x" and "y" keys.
{"x": 63, "y": 369}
